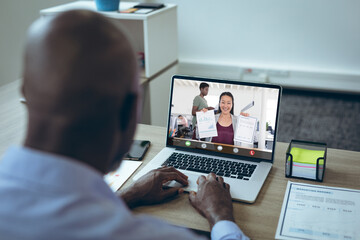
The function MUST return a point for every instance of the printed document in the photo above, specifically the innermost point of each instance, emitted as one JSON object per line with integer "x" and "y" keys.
{"x": 118, "y": 177}
{"x": 245, "y": 129}
{"x": 319, "y": 212}
{"x": 206, "y": 124}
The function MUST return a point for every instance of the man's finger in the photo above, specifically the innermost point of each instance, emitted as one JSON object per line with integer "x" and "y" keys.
{"x": 211, "y": 176}
{"x": 172, "y": 169}
{"x": 200, "y": 179}
{"x": 169, "y": 176}
{"x": 192, "y": 197}
{"x": 221, "y": 180}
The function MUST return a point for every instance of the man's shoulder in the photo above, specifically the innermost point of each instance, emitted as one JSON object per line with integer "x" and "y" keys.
{"x": 197, "y": 97}
{"x": 197, "y": 100}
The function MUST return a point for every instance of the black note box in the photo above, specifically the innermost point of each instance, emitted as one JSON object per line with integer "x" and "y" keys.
{"x": 306, "y": 160}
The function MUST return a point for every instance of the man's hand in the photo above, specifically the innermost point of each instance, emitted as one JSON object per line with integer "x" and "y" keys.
{"x": 149, "y": 188}
{"x": 213, "y": 199}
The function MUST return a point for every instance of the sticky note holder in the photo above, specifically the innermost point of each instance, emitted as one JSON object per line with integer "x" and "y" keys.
{"x": 306, "y": 160}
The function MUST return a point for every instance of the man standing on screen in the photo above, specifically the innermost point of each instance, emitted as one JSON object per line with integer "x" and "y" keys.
{"x": 200, "y": 104}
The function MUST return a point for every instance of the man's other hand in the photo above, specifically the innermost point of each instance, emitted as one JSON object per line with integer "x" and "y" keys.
{"x": 149, "y": 188}
{"x": 212, "y": 199}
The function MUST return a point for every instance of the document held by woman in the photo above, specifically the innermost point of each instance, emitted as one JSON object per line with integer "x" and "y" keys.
{"x": 206, "y": 124}
{"x": 245, "y": 129}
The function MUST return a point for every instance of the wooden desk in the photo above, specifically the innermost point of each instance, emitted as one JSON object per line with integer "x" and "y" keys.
{"x": 258, "y": 220}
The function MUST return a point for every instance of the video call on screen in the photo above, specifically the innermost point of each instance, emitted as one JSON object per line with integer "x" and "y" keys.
{"x": 241, "y": 122}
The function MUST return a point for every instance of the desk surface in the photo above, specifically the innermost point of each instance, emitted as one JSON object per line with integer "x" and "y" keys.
{"x": 258, "y": 220}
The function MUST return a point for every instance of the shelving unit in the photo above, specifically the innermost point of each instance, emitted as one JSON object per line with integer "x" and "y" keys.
{"x": 154, "y": 34}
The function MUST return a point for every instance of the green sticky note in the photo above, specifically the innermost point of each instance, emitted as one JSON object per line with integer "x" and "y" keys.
{"x": 307, "y": 156}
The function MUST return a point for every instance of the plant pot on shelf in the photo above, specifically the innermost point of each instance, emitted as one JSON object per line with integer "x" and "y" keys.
{"x": 107, "y": 5}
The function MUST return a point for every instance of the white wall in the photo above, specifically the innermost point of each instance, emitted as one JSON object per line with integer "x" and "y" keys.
{"x": 15, "y": 17}
{"x": 320, "y": 35}
{"x": 315, "y": 43}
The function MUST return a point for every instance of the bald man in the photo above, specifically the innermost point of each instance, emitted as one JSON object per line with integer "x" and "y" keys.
{"x": 82, "y": 90}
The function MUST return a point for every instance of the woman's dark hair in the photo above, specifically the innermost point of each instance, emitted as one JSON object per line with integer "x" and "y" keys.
{"x": 203, "y": 85}
{"x": 232, "y": 99}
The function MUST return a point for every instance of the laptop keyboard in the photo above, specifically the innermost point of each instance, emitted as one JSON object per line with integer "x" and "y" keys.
{"x": 207, "y": 165}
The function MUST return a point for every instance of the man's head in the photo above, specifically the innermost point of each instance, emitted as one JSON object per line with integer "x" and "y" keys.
{"x": 204, "y": 88}
{"x": 81, "y": 86}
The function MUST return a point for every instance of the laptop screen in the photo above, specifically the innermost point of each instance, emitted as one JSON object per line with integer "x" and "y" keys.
{"x": 227, "y": 118}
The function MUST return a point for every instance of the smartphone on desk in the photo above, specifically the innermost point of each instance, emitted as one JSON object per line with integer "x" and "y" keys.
{"x": 138, "y": 150}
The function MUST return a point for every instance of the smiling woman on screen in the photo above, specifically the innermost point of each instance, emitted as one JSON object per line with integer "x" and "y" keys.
{"x": 225, "y": 120}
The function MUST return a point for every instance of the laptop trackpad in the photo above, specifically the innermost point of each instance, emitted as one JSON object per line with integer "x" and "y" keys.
{"x": 192, "y": 178}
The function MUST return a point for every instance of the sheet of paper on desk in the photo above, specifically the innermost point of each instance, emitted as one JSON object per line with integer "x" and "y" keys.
{"x": 117, "y": 178}
{"x": 319, "y": 212}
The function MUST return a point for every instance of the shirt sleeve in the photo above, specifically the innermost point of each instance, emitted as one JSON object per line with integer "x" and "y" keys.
{"x": 196, "y": 102}
{"x": 227, "y": 230}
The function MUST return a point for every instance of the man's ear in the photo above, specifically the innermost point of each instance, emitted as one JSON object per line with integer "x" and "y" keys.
{"x": 23, "y": 90}
{"x": 127, "y": 120}
{"x": 128, "y": 112}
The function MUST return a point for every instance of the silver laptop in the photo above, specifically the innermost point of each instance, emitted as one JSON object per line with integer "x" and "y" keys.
{"x": 242, "y": 152}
